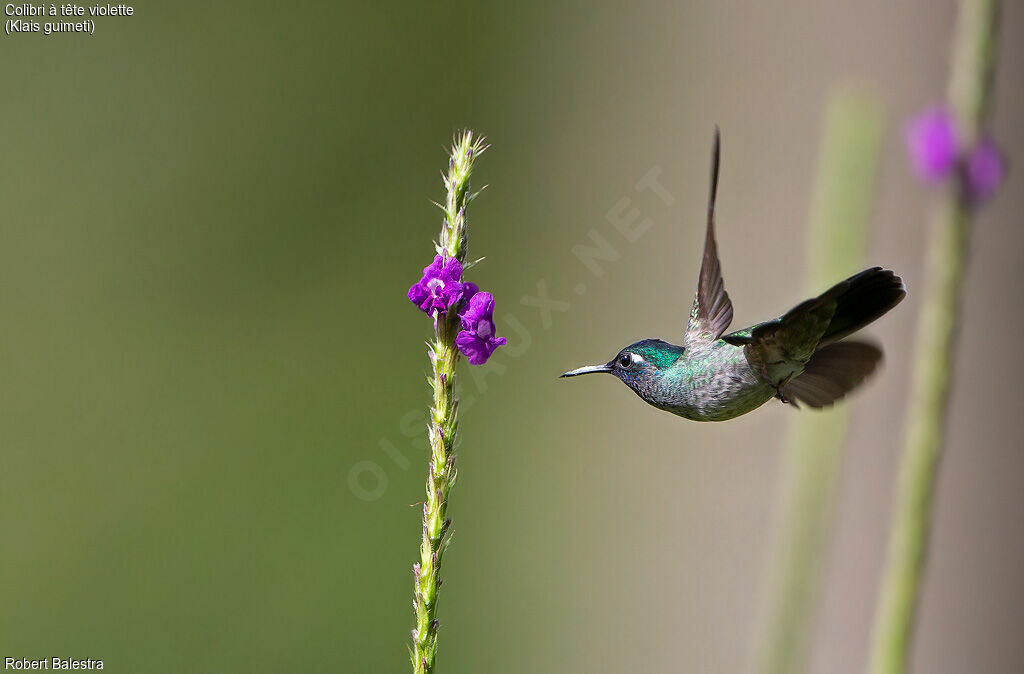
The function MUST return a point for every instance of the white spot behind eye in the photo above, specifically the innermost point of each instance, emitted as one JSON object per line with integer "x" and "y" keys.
{"x": 636, "y": 358}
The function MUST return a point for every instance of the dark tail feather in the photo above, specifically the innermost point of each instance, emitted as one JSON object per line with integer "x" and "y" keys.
{"x": 831, "y": 373}
{"x": 865, "y": 298}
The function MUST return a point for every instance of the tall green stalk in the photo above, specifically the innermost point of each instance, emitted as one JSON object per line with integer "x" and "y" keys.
{"x": 970, "y": 95}
{"x": 839, "y": 216}
{"x": 443, "y": 424}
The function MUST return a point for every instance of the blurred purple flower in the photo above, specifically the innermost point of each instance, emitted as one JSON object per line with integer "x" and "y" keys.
{"x": 985, "y": 170}
{"x": 476, "y": 340}
{"x": 440, "y": 287}
{"x": 932, "y": 143}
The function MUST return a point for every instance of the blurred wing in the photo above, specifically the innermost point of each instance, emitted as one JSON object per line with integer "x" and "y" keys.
{"x": 712, "y": 310}
{"x": 831, "y": 373}
{"x": 778, "y": 350}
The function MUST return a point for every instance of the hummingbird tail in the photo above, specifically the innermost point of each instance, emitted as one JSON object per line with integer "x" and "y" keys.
{"x": 865, "y": 298}
{"x": 831, "y": 373}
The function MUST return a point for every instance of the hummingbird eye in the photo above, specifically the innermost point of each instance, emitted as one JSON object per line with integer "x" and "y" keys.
{"x": 625, "y": 360}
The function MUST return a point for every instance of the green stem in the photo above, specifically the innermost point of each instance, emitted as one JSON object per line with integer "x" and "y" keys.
{"x": 443, "y": 424}
{"x": 840, "y": 212}
{"x": 970, "y": 94}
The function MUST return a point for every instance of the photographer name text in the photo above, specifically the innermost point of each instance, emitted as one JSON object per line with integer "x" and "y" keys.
{"x": 56, "y": 663}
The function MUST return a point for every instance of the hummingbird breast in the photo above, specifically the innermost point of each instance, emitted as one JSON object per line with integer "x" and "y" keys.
{"x": 711, "y": 383}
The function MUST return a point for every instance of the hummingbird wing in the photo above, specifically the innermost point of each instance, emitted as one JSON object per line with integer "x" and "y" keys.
{"x": 712, "y": 310}
{"x": 778, "y": 350}
{"x": 832, "y": 372}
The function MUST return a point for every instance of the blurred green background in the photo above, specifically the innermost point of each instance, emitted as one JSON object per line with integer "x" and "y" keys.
{"x": 210, "y": 215}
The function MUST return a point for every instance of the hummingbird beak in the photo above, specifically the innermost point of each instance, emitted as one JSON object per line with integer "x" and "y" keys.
{"x": 587, "y": 369}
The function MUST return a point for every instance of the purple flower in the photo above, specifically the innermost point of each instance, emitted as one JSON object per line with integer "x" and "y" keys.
{"x": 440, "y": 288}
{"x": 932, "y": 143}
{"x": 985, "y": 170}
{"x": 476, "y": 340}
{"x": 468, "y": 290}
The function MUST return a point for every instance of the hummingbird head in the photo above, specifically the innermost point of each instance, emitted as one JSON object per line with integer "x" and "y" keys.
{"x": 639, "y": 366}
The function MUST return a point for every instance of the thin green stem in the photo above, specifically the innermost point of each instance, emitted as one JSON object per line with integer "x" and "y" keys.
{"x": 443, "y": 424}
{"x": 840, "y": 211}
{"x": 970, "y": 93}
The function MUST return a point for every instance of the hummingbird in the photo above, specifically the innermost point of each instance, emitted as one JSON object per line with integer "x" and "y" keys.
{"x": 799, "y": 358}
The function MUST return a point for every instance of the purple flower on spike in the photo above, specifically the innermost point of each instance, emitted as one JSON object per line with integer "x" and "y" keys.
{"x": 440, "y": 288}
{"x": 476, "y": 340}
{"x": 468, "y": 290}
{"x": 985, "y": 170}
{"x": 932, "y": 143}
